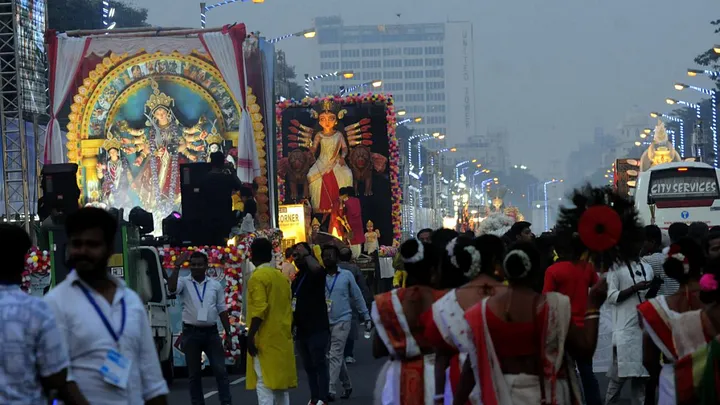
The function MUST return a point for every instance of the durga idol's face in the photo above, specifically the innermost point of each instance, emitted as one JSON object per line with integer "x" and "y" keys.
{"x": 328, "y": 121}
{"x": 161, "y": 116}
{"x": 113, "y": 154}
{"x": 214, "y": 148}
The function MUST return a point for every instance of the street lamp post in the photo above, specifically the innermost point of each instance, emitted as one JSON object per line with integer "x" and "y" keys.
{"x": 714, "y": 103}
{"x": 347, "y": 74}
{"x": 345, "y": 91}
{"x": 204, "y": 8}
{"x": 308, "y": 33}
{"x": 698, "y": 141}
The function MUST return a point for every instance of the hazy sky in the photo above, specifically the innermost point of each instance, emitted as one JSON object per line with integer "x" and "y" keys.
{"x": 547, "y": 71}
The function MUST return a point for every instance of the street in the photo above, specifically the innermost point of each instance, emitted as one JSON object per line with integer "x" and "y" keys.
{"x": 363, "y": 375}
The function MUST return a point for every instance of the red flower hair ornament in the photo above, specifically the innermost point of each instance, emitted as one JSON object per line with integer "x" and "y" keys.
{"x": 600, "y": 228}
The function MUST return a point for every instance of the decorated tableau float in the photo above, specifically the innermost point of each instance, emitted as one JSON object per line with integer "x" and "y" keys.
{"x": 142, "y": 102}
{"x": 329, "y": 144}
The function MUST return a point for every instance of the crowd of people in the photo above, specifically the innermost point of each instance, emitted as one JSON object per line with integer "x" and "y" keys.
{"x": 507, "y": 319}
{"x": 511, "y": 319}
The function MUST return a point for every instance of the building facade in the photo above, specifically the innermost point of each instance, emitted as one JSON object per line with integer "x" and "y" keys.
{"x": 428, "y": 68}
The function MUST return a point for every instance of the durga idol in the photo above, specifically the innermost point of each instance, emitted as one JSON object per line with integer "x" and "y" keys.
{"x": 160, "y": 147}
{"x": 330, "y": 172}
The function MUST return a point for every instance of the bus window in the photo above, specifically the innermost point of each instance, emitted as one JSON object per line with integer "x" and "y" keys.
{"x": 683, "y": 186}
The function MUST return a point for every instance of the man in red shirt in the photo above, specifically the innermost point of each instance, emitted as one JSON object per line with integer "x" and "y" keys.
{"x": 574, "y": 278}
{"x": 353, "y": 215}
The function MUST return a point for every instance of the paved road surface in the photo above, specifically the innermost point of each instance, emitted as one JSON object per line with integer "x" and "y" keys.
{"x": 363, "y": 375}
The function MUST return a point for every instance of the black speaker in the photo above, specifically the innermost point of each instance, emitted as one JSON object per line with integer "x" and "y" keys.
{"x": 192, "y": 176}
{"x": 59, "y": 186}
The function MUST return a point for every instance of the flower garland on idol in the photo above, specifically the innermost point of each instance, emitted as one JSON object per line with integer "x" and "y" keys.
{"x": 393, "y": 149}
{"x": 36, "y": 262}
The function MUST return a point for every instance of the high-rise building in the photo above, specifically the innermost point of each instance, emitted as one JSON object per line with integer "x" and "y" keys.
{"x": 428, "y": 68}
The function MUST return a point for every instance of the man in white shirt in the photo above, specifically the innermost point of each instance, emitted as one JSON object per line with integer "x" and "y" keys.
{"x": 627, "y": 288}
{"x": 203, "y": 301}
{"x": 113, "y": 358}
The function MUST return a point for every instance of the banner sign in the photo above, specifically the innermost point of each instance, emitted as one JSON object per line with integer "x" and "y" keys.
{"x": 692, "y": 187}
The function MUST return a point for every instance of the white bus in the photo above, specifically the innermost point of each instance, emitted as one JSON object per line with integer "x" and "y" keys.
{"x": 682, "y": 192}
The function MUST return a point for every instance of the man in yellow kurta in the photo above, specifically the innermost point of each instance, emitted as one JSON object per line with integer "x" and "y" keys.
{"x": 271, "y": 360}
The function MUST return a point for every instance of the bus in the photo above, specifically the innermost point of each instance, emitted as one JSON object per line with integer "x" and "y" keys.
{"x": 681, "y": 192}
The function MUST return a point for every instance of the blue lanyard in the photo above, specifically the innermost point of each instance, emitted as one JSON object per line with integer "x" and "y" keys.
{"x": 200, "y": 297}
{"x": 299, "y": 284}
{"x": 115, "y": 335}
{"x": 330, "y": 289}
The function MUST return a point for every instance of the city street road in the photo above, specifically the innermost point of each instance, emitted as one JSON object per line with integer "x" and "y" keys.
{"x": 363, "y": 375}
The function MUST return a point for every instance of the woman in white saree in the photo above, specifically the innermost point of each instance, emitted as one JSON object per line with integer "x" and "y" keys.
{"x": 667, "y": 334}
{"x": 522, "y": 337}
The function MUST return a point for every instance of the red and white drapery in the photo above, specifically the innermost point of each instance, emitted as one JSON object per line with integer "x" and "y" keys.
{"x": 225, "y": 48}
{"x": 67, "y": 54}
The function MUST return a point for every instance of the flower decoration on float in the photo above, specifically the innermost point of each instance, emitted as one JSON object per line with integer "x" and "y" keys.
{"x": 602, "y": 226}
{"x": 37, "y": 262}
{"x": 393, "y": 149}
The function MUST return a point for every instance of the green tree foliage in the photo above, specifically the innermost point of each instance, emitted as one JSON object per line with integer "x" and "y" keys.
{"x": 709, "y": 58}
{"x": 68, "y": 15}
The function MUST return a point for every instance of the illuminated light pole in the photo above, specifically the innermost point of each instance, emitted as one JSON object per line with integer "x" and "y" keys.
{"x": 108, "y": 13}
{"x": 345, "y": 91}
{"x": 419, "y": 149}
{"x": 204, "y": 8}
{"x": 713, "y": 109}
{"x": 680, "y": 121}
{"x": 714, "y": 100}
{"x": 695, "y": 145}
{"x": 546, "y": 200}
{"x": 410, "y": 147}
{"x": 347, "y": 74}
{"x": 308, "y": 33}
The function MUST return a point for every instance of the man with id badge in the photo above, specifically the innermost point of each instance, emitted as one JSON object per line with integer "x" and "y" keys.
{"x": 342, "y": 297}
{"x": 113, "y": 356}
{"x": 203, "y": 302}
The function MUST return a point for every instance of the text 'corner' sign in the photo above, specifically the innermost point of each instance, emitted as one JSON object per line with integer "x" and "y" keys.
{"x": 291, "y": 219}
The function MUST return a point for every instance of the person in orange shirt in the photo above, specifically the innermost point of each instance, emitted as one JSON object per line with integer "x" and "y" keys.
{"x": 288, "y": 267}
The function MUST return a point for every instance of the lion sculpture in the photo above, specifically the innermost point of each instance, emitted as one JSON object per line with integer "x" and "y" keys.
{"x": 362, "y": 162}
{"x": 295, "y": 168}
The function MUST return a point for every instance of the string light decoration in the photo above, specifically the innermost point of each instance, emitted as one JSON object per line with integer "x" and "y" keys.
{"x": 546, "y": 200}
{"x": 108, "y": 13}
{"x": 672, "y": 101}
{"x": 346, "y": 74}
{"x": 308, "y": 33}
{"x": 204, "y": 8}
{"x": 713, "y": 107}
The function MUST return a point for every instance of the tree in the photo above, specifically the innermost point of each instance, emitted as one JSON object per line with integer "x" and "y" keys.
{"x": 284, "y": 85}
{"x": 68, "y": 15}
{"x": 710, "y": 58}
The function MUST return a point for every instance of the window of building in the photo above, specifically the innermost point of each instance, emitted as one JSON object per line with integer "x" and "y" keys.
{"x": 329, "y": 66}
{"x": 436, "y": 96}
{"x": 433, "y": 50}
{"x": 433, "y": 119}
{"x": 414, "y": 74}
{"x": 436, "y": 108}
{"x": 415, "y": 109}
{"x": 326, "y": 89}
{"x": 330, "y": 54}
{"x": 330, "y": 79}
{"x": 350, "y": 53}
{"x": 350, "y": 64}
{"x": 366, "y": 76}
{"x": 393, "y": 86}
{"x": 434, "y": 62}
{"x": 413, "y": 62}
{"x": 415, "y": 50}
{"x": 392, "y": 51}
{"x": 399, "y": 98}
{"x": 389, "y": 75}
{"x": 371, "y": 64}
{"x": 371, "y": 53}
{"x": 435, "y": 85}
{"x": 435, "y": 73}
{"x": 392, "y": 63}
{"x": 414, "y": 86}
{"x": 414, "y": 97}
